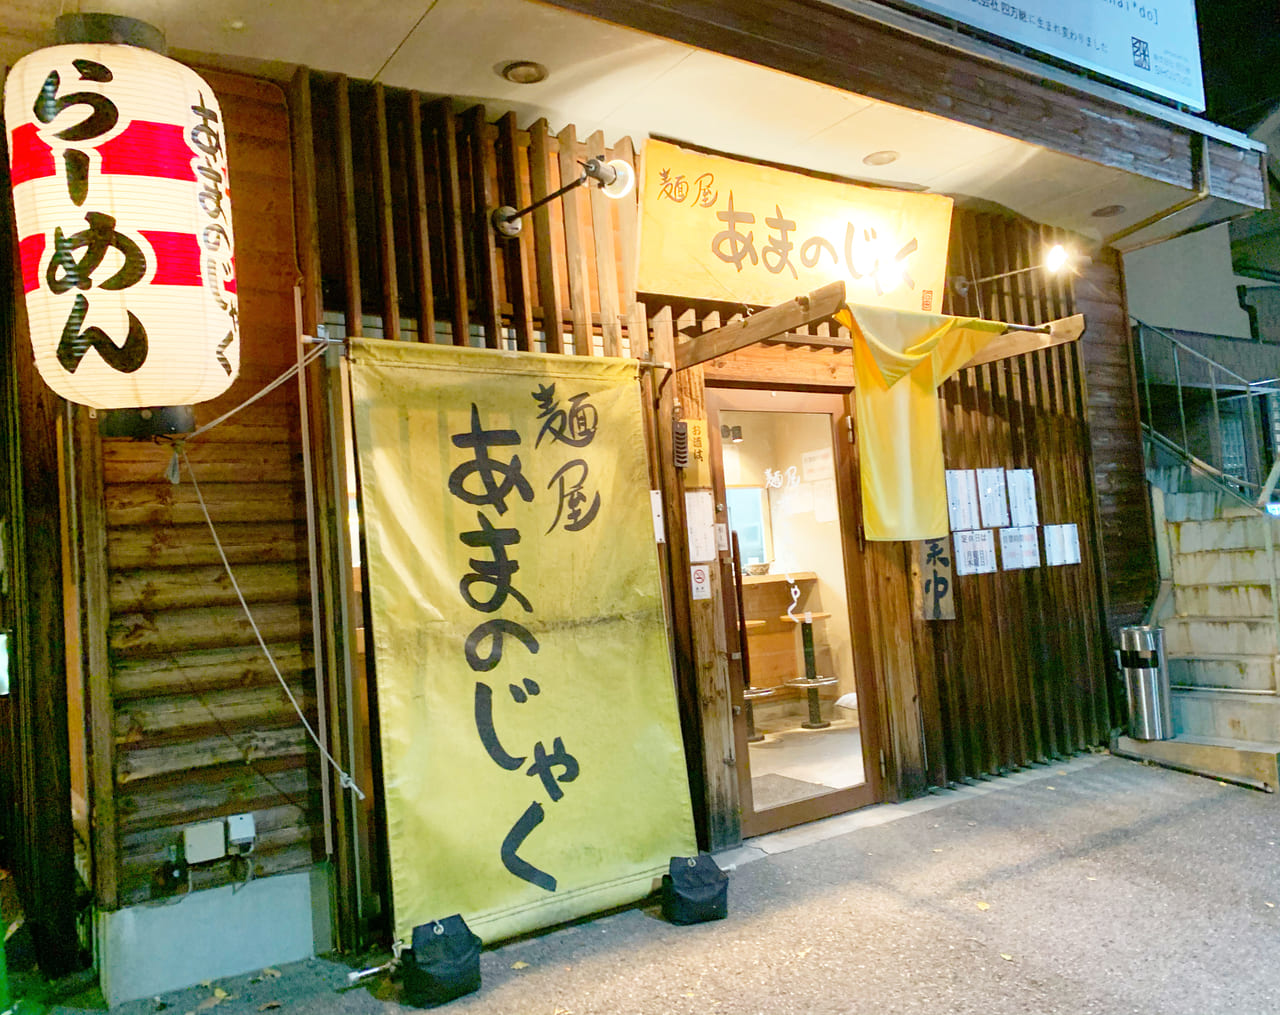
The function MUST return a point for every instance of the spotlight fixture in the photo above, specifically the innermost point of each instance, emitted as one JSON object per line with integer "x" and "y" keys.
{"x": 523, "y": 72}
{"x": 880, "y": 158}
{"x": 1056, "y": 258}
{"x": 615, "y": 177}
{"x": 732, "y": 434}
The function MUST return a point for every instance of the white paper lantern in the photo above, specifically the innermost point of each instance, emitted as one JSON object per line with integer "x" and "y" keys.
{"x": 119, "y": 170}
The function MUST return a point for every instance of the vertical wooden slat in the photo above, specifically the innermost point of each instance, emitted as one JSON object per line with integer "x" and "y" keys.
{"x": 347, "y": 204}
{"x": 331, "y": 668}
{"x": 386, "y": 219}
{"x": 418, "y": 225}
{"x": 486, "y": 289}
{"x": 664, "y": 351}
{"x": 574, "y": 210}
{"x": 710, "y": 659}
{"x": 628, "y": 214}
{"x": 548, "y": 264}
{"x": 515, "y": 248}
{"x": 606, "y": 258}
{"x": 94, "y": 617}
{"x": 455, "y": 241}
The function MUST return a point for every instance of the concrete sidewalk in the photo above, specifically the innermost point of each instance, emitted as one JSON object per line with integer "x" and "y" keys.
{"x": 1097, "y": 885}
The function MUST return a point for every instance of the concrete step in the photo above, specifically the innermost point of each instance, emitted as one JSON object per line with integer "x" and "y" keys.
{"x": 1227, "y": 715}
{"x": 1214, "y": 636}
{"x": 1247, "y": 533}
{"x": 1228, "y": 672}
{"x": 1222, "y": 567}
{"x": 1223, "y": 601}
{"x": 1248, "y": 762}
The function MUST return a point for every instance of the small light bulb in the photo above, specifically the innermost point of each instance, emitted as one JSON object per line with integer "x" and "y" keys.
{"x": 1057, "y": 258}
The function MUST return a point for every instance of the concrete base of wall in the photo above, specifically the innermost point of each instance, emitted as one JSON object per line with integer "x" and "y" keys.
{"x": 1245, "y": 762}
{"x": 150, "y": 949}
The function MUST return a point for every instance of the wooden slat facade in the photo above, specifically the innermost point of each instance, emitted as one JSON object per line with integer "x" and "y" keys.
{"x": 379, "y": 200}
{"x": 198, "y": 723}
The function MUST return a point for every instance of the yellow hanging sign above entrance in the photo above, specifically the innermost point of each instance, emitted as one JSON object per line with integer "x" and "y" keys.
{"x": 718, "y": 229}
{"x": 533, "y": 768}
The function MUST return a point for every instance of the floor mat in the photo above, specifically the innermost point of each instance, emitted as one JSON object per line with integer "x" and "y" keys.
{"x": 773, "y": 790}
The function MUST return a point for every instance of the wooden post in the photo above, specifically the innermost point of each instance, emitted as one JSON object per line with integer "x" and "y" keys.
{"x": 711, "y": 666}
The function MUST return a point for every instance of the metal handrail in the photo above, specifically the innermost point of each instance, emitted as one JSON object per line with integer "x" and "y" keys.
{"x": 1220, "y": 379}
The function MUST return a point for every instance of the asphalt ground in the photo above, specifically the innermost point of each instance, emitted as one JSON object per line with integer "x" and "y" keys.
{"x": 1094, "y": 885}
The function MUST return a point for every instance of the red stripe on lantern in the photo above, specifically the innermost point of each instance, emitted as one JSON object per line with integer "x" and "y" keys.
{"x": 150, "y": 149}
{"x": 31, "y": 158}
{"x": 157, "y": 150}
{"x": 31, "y": 256}
{"x": 177, "y": 257}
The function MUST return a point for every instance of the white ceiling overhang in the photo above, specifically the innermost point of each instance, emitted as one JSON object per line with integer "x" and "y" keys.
{"x": 624, "y": 82}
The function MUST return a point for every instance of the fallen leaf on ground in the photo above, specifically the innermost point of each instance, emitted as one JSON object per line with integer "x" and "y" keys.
{"x": 1006, "y": 957}
{"x": 219, "y": 993}
{"x": 1270, "y": 905}
{"x": 1087, "y": 878}
{"x": 984, "y": 905}
{"x": 268, "y": 1006}
{"x": 937, "y": 851}
{"x": 1051, "y": 787}
{"x": 801, "y": 954}
{"x": 273, "y": 973}
{"x": 519, "y": 965}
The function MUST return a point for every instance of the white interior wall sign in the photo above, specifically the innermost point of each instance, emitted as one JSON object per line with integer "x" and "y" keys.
{"x": 118, "y": 164}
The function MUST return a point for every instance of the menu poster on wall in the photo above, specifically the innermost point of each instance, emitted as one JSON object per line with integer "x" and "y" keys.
{"x": 975, "y": 552}
{"x": 1061, "y": 545}
{"x": 991, "y": 496}
{"x": 1019, "y": 548}
{"x": 962, "y": 499}
{"x": 817, "y": 465}
{"x": 700, "y": 520}
{"x": 1022, "y": 498}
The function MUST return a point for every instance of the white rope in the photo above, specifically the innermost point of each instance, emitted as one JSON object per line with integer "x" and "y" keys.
{"x": 345, "y": 780}
{"x": 314, "y": 354}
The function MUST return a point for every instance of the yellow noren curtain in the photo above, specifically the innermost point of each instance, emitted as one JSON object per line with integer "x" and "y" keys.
{"x": 900, "y": 360}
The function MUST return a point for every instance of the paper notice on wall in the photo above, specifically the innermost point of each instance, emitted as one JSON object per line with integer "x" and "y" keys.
{"x": 975, "y": 552}
{"x": 992, "y": 498}
{"x": 962, "y": 499}
{"x": 1019, "y": 548}
{"x": 1022, "y": 498}
{"x": 700, "y": 519}
{"x": 816, "y": 465}
{"x": 1061, "y": 545}
{"x": 797, "y": 499}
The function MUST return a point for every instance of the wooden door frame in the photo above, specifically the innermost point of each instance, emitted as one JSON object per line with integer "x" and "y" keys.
{"x": 874, "y": 733}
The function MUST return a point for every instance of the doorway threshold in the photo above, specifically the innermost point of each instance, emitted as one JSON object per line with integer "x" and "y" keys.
{"x": 760, "y": 846}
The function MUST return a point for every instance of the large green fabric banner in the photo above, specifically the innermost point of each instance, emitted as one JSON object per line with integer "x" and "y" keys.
{"x": 532, "y": 762}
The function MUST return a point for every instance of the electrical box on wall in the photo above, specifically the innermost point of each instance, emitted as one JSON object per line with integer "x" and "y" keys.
{"x": 203, "y": 842}
{"x": 240, "y": 831}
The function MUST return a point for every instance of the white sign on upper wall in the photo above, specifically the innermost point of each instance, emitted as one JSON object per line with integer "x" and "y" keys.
{"x": 1152, "y": 44}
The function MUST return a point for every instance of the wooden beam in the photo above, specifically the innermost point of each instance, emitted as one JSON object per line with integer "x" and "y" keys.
{"x": 1015, "y": 343}
{"x": 779, "y": 320}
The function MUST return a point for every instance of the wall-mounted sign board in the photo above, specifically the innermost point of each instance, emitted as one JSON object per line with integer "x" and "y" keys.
{"x": 1152, "y": 44}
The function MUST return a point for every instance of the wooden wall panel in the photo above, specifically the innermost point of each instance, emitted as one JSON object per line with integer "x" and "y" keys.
{"x": 200, "y": 725}
{"x": 824, "y": 42}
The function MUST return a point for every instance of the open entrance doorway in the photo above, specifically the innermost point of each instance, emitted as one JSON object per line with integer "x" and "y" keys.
{"x": 805, "y": 701}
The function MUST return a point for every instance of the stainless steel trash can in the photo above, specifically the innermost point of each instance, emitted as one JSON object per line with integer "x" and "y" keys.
{"x": 1146, "y": 681}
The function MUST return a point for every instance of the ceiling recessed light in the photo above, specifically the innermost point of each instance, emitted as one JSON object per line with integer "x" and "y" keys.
{"x": 1108, "y": 211}
{"x": 881, "y": 158}
{"x": 524, "y": 72}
